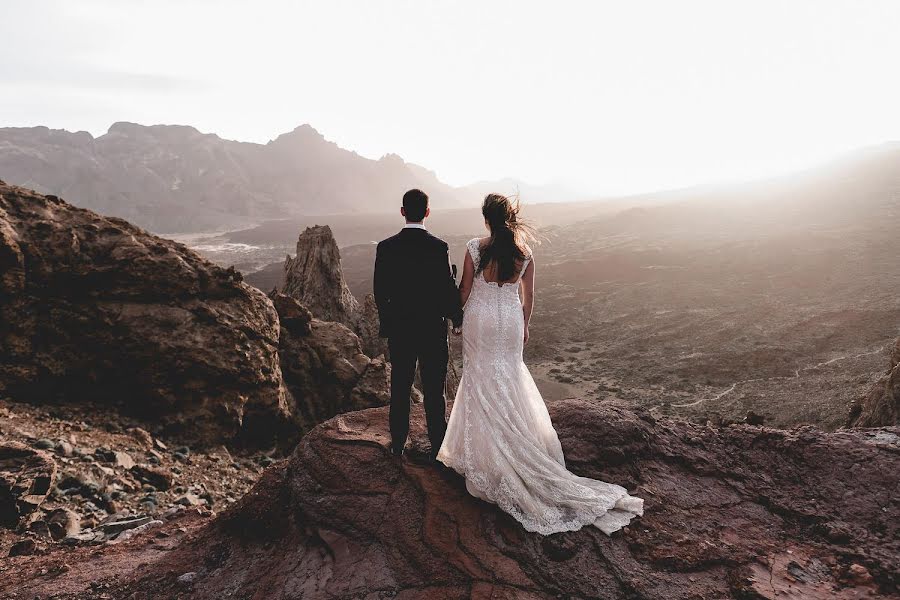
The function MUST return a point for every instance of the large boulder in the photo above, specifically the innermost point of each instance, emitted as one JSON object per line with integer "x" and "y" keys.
{"x": 26, "y": 477}
{"x": 735, "y": 512}
{"x": 881, "y": 406}
{"x": 366, "y": 326}
{"x": 325, "y": 370}
{"x": 95, "y": 309}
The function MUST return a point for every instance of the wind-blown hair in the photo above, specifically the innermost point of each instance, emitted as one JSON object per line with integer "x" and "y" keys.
{"x": 508, "y": 246}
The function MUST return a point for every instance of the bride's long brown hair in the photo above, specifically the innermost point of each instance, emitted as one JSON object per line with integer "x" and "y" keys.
{"x": 508, "y": 247}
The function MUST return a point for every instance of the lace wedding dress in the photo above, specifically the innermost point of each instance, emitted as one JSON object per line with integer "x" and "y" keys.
{"x": 500, "y": 437}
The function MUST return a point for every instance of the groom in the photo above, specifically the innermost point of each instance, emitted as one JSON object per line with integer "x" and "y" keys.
{"x": 416, "y": 293}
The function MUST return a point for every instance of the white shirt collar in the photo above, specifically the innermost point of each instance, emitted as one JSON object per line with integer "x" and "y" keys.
{"x": 414, "y": 226}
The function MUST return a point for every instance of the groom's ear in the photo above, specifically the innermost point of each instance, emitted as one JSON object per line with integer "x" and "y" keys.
{"x": 427, "y": 211}
{"x": 402, "y": 211}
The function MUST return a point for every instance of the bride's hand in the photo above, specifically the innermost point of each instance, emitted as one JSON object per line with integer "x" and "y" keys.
{"x": 526, "y": 335}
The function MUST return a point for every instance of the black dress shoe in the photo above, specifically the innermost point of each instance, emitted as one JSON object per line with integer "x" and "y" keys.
{"x": 398, "y": 452}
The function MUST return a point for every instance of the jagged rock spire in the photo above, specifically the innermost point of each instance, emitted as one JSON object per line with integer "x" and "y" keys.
{"x": 314, "y": 277}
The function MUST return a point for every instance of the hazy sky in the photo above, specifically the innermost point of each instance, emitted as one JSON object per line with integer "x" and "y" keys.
{"x": 612, "y": 97}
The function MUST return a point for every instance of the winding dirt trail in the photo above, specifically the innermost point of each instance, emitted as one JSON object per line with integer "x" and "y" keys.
{"x": 796, "y": 375}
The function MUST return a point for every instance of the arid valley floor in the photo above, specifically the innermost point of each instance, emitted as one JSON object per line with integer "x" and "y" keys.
{"x": 780, "y": 300}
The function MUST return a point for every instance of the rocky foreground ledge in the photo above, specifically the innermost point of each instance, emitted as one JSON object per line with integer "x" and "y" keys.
{"x": 734, "y": 512}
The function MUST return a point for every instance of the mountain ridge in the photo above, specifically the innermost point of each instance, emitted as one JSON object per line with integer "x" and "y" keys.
{"x": 177, "y": 179}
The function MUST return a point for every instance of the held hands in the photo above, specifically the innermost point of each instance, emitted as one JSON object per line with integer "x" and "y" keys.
{"x": 457, "y": 330}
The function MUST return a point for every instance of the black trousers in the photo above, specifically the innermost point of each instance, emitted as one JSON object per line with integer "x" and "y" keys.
{"x": 427, "y": 346}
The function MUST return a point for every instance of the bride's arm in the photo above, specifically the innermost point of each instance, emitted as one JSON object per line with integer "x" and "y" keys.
{"x": 468, "y": 278}
{"x": 528, "y": 294}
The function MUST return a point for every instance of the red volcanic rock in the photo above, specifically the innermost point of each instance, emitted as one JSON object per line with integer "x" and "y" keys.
{"x": 93, "y": 308}
{"x": 882, "y": 404}
{"x": 26, "y": 477}
{"x": 324, "y": 368}
{"x": 367, "y": 328}
{"x": 158, "y": 477}
{"x": 736, "y": 512}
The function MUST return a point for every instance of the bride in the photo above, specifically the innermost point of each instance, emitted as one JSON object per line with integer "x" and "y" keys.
{"x": 499, "y": 436}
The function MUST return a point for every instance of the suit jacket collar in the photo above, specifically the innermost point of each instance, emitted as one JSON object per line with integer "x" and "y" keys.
{"x": 414, "y": 231}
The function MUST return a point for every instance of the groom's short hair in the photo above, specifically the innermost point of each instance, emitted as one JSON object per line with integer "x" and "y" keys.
{"x": 415, "y": 203}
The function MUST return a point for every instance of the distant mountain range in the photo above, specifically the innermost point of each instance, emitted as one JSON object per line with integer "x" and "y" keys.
{"x": 173, "y": 178}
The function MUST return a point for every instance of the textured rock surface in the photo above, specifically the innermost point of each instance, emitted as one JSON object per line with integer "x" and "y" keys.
{"x": 736, "y": 512}
{"x": 63, "y": 522}
{"x": 367, "y": 328}
{"x": 315, "y": 278}
{"x": 93, "y": 488}
{"x": 881, "y": 406}
{"x": 26, "y": 477}
{"x": 325, "y": 371}
{"x": 93, "y": 308}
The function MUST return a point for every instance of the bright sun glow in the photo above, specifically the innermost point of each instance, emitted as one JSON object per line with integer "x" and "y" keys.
{"x": 608, "y": 97}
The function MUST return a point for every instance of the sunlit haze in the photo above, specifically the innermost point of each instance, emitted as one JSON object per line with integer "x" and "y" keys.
{"x": 605, "y": 97}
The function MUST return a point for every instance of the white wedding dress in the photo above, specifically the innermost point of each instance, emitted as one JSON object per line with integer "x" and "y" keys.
{"x": 500, "y": 437}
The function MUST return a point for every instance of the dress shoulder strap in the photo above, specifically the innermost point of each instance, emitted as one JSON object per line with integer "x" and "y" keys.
{"x": 474, "y": 248}
{"x": 524, "y": 266}
{"x": 525, "y": 262}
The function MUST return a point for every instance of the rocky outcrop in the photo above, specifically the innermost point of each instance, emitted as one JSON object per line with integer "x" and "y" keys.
{"x": 26, "y": 477}
{"x": 325, "y": 370}
{"x": 733, "y": 512}
{"x": 95, "y": 309}
{"x": 881, "y": 406}
{"x": 315, "y": 278}
{"x": 367, "y": 328}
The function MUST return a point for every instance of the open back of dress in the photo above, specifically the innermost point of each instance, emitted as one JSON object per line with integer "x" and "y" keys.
{"x": 500, "y": 436}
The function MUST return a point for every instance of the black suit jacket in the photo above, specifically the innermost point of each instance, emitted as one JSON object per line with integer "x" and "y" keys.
{"x": 414, "y": 284}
